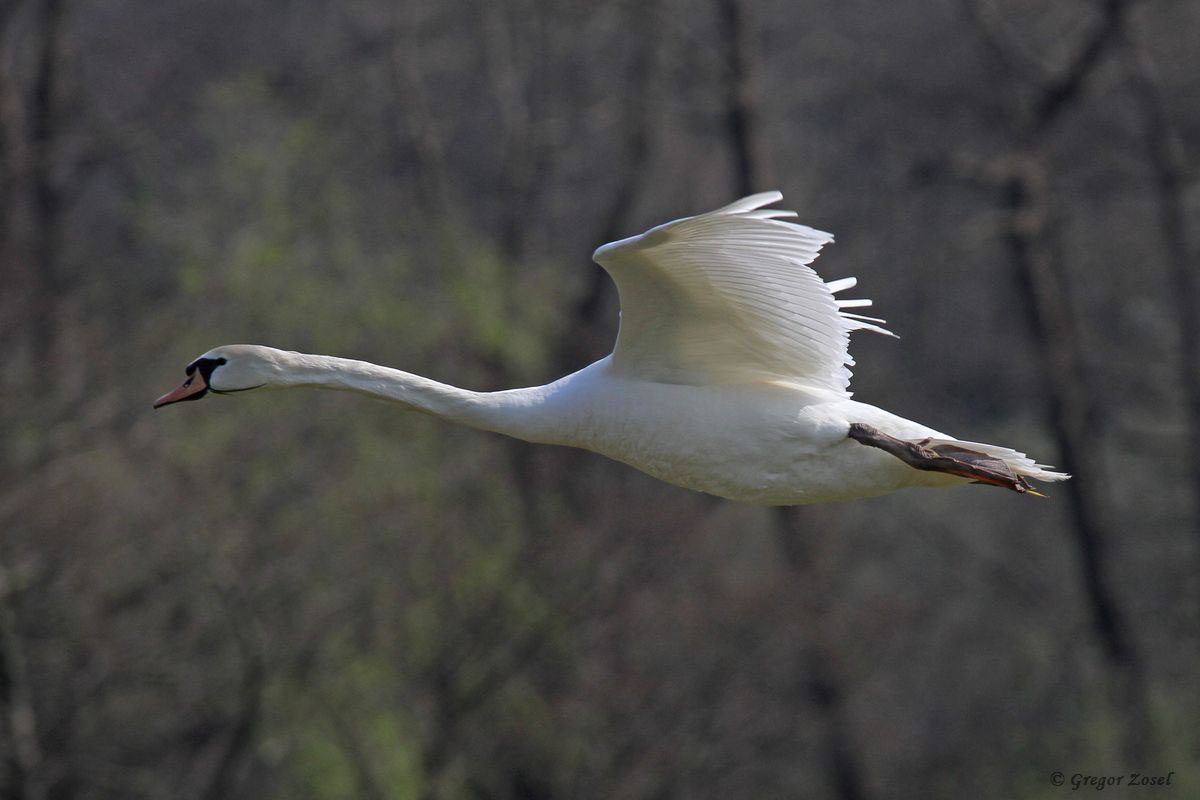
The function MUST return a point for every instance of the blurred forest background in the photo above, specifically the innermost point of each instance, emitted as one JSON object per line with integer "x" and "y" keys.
{"x": 309, "y": 595}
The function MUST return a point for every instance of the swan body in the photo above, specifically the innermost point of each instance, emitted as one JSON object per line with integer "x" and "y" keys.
{"x": 730, "y": 376}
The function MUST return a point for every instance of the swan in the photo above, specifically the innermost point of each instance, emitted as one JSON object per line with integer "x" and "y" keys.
{"x": 729, "y": 376}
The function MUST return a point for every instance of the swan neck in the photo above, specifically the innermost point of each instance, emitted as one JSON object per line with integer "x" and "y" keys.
{"x": 514, "y": 412}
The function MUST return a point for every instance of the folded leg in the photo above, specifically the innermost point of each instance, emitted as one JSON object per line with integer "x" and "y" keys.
{"x": 947, "y": 458}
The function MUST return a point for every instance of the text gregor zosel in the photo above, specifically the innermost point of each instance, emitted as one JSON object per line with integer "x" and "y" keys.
{"x": 1100, "y": 782}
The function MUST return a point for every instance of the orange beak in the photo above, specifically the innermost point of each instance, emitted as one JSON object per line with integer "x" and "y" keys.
{"x": 192, "y": 389}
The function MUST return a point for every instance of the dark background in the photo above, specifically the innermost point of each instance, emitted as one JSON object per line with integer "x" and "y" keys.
{"x": 310, "y": 595}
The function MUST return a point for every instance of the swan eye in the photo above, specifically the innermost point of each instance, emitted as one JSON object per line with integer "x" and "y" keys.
{"x": 204, "y": 368}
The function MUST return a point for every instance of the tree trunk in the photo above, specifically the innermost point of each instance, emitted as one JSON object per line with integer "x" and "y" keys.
{"x": 1070, "y": 407}
{"x": 751, "y": 172}
{"x": 23, "y": 775}
{"x": 45, "y": 200}
{"x": 817, "y": 682}
{"x": 1164, "y": 154}
{"x": 1071, "y": 418}
{"x": 800, "y": 530}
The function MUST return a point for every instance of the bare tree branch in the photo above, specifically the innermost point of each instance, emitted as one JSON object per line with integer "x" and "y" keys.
{"x": 1058, "y": 95}
{"x": 1007, "y": 48}
{"x": 1056, "y": 90}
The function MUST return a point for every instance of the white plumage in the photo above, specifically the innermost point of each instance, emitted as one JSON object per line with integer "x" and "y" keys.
{"x": 730, "y": 375}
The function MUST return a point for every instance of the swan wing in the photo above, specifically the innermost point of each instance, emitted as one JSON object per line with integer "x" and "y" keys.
{"x": 729, "y": 297}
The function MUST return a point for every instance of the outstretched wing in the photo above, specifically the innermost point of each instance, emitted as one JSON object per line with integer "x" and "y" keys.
{"x": 728, "y": 297}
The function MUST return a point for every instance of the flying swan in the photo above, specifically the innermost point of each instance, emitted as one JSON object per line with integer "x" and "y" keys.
{"x": 730, "y": 376}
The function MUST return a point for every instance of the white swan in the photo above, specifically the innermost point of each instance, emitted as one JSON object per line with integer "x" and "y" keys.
{"x": 729, "y": 376}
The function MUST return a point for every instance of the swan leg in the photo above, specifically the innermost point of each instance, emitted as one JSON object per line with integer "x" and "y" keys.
{"x": 946, "y": 458}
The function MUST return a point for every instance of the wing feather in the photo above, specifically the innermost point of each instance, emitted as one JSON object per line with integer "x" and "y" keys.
{"x": 729, "y": 297}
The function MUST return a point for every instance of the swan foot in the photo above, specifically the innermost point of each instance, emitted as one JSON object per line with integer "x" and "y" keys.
{"x": 947, "y": 458}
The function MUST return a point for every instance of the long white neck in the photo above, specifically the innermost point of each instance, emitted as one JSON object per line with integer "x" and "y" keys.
{"x": 516, "y": 412}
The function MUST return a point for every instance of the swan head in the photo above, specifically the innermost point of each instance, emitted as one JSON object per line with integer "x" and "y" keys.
{"x": 232, "y": 368}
